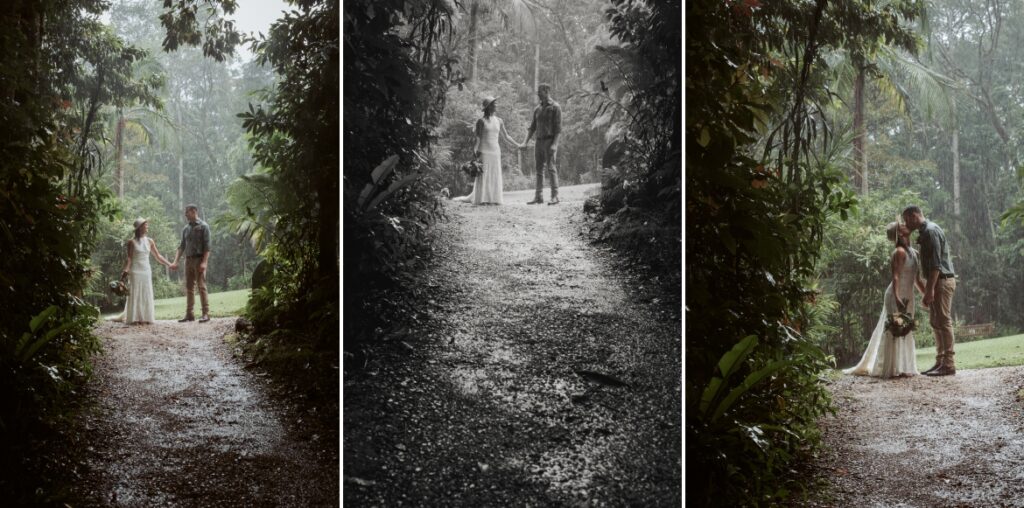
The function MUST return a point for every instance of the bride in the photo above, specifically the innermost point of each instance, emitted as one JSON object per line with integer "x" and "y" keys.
{"x": 887, "y": 356}
{"x": 488, "y": 186}
{"x": 139, "y": 307}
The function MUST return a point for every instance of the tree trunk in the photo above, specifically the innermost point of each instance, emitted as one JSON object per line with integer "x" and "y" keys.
{"x": 181, "y": 159}
{"x": 181, "y": 180}
{"x": 860, "y": 164}
{"x": 473, "y": 16}
{"x": 536, "y": 69}
{"x": 956, "y": 176}
{"x": 118, "y": 154}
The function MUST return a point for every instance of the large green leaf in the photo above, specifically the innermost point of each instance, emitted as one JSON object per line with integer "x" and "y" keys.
{"x": 728, "y": 364}
{"x": 753, "y": 379}
{"x": 732, "y": 360}
{"x": 376, "y": 177}
{"x": 27, "y": 354}
{"x": 383, "y": 170}
{"x": 393, "y": 188}
{"x": 41, "y": 318}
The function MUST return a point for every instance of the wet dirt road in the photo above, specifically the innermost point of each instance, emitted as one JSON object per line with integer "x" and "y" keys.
{"x": 178, "y": 422}
{"x": 482, "y": 402}
{"x": 955, "y": 441}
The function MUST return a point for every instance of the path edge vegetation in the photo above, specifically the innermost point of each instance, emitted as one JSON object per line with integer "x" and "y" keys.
{"x": 764, "y": 175}
{"x": 64, "y": 65}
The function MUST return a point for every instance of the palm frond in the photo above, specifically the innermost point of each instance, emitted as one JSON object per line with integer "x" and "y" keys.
{"x": 934, "y": 92}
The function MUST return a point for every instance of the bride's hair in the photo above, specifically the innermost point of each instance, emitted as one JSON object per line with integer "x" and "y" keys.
{"x": 892, "y": 232}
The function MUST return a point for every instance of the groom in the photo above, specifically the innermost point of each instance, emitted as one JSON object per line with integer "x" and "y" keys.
{"x": 547, "y": 123}
{"x": 941, "y": 284}
{"x": 195, "y": 245}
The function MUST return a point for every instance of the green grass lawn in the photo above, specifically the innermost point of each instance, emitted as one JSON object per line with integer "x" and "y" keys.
{"x": 980, "y": 354}
{"x": 228, "y": 303}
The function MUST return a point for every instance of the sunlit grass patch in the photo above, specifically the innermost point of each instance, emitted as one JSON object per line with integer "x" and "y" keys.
{"x": 228, "y": 303}
{"x": 998, "y": 352}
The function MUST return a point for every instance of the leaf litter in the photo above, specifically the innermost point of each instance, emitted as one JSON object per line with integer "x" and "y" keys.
{"x": 515, "y": 390}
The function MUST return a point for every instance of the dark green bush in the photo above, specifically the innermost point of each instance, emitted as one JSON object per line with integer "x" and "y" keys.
{"x": 757, "y": 206}
{"x": 396, "y": 82}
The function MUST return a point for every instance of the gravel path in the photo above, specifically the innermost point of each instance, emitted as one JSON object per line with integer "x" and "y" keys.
{"x": 178, "y": 422}
{"x": 487, "y": 401}
{"x": 926, "y": 442}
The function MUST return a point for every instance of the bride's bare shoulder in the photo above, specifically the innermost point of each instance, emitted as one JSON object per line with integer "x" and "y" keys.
{"x": 899, "y": 253}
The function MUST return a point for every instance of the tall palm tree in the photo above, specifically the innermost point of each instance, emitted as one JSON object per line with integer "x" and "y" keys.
{"x": 936, "y": 94}
{"x": 905, "y": 81}
{"x": 139, "y": 120}
{"x": 139, "y": 116}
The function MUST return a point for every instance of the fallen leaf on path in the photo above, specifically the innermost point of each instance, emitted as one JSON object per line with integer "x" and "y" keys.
{"x": 599, "y": 378}
{"x": 360, "y": 481}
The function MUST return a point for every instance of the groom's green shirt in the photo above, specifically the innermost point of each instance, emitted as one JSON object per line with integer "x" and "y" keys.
{"x": 195, "y": 239}
{"x": 934, "y": 250}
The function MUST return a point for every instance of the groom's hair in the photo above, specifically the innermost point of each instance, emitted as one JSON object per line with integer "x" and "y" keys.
{"x": 911, "y": 209}
{"x": 544, "y": 86}
{"x": 192, "y": 207}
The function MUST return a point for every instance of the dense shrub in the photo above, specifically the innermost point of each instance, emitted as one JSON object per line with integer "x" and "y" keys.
{"x": 294, "y": 139}
{"x": 60, "y": 66}
{"x": 391, "y": 181}
{"x": 637, "y": 100}
{"x": 757, "y": 209}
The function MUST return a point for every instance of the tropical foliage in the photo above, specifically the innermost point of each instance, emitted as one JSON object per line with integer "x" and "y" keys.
{"x": 634, "y": 76}
{"x": 764, "y": 175}
{"x": 955, "y": 150}
{"x": 295, "y": 138}
{"x": 99, "y": 131}
{"x": 395, "y": 87}
{"x": 61, "y": 68}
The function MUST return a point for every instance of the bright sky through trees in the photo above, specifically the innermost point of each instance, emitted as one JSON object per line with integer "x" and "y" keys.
{"x": 257, "y": 16}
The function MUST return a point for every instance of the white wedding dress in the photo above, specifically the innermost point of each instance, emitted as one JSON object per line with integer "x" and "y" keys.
{"x": 487, "y": 187}
{"x": 139, "y": 305}
{"x": 886, "y": 356}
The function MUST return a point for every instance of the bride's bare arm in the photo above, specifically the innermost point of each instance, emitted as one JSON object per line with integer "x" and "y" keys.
{"x": 161, "y": 259}
{"x": 899, "y": 256}
{"x": 128, "y": 261}
{"x": 479, "y": 132}
{"x": 508, "y": 138}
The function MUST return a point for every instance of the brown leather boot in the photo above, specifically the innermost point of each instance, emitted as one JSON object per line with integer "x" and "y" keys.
{"x": 943, "y": 371}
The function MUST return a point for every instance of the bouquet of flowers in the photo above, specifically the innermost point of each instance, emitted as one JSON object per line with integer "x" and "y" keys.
{"x": 118, "y": 287}
{"x": 473, "y": 168}
{"x": 900, "y": 323}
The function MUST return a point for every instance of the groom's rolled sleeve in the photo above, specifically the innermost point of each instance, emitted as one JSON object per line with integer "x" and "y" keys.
{"x": 206, "y": 239}
{"x": 556, "y": 120}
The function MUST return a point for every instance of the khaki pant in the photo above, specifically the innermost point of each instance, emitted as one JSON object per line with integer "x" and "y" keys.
{"x": 940, "y": 317}
{"x": 545, "y": 159}
{"x": 192, "y": 276}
